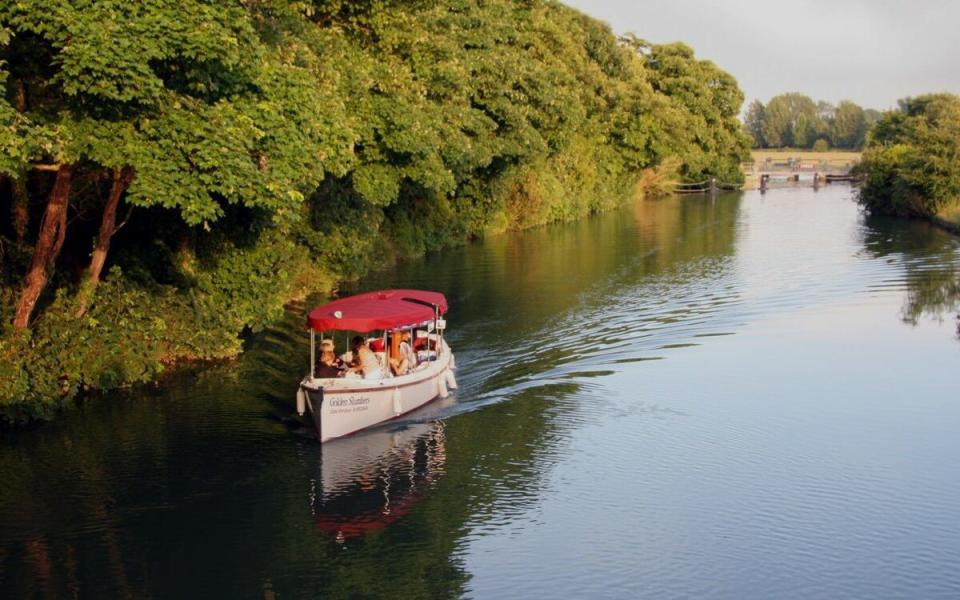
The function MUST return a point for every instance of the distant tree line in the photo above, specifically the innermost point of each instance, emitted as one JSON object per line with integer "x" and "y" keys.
{"x": 794, "y": 120}
{"x": 911, "y": 164}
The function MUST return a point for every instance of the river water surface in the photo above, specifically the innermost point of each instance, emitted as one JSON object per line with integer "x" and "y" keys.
{"x": 746, "y": 397}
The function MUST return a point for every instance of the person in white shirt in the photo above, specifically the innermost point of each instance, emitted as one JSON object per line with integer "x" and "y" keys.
{"x": 364, "y": 360}
{"x": 402, "y": 357}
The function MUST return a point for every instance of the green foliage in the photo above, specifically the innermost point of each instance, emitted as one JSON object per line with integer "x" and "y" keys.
{"x": 20, "y": 138}
{"x": 789, "y": 120}
{"x": 796, "y": 121}
{"x": 821, "y": 145}
{"x": 132, "y": 331}
{"x": 121, "y": 52}
{"x": 753, "y": 123}
{"x": 849, "y": 128}
{"x": 706, "y": 132}
{"x": 278, "y": 145}
{"x": 911, "y": 164}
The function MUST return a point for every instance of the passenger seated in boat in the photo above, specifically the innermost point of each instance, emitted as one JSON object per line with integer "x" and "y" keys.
{"x": 407, "y": 358}
{"x": 365, "y": 362}
{"x": 406, "y": 350}
{"x": 400, "y": 363}
{"x": 328, "y": 366}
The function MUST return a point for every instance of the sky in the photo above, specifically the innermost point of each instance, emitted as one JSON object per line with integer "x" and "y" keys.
{"x": 870, "y": 51}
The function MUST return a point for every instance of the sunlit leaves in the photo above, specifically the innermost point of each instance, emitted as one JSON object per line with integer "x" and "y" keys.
{"x": 912, "y": 160}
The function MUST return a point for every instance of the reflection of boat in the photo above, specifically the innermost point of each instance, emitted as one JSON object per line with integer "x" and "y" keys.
{"x": 370, "y": 481}
{"x": 341, "y": 406}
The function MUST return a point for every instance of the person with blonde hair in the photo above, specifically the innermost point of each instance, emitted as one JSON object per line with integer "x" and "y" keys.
{"x": 328, "y": 365}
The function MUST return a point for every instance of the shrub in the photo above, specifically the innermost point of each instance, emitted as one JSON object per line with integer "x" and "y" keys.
{"x": 911, "y": 165}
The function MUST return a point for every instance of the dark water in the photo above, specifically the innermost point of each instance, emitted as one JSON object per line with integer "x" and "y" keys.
{"x": 752, "y": 397}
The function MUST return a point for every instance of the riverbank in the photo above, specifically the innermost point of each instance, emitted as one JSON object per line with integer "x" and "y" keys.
{"x": 166, "y": 208}
{"x": 132, "y": 335}
{"x": 949, "y": 219}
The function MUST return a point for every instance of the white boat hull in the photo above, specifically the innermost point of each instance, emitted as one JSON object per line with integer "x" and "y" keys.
{"x": 340, "y": 407}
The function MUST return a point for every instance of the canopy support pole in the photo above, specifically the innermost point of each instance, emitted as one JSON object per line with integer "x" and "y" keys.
{"x": 313, "y": 352}
{"x": 386, "y": 356}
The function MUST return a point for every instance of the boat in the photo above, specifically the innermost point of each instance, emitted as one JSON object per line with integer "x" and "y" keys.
{"x": 341, "y": 406}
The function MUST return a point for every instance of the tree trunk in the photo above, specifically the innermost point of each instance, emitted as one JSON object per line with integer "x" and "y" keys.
{"x": 53, "y": 229}
{"x": 21, "y": 207}
{"x": 18, "y": 185}
{"x": 121, "y": 180}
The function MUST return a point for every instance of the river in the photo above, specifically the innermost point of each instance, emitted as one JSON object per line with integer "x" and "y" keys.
{"x": 754, "y": 396}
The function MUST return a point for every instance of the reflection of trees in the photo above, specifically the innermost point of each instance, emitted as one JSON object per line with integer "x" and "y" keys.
{"x": 56, "y": 481}
{"x": 935, "y": 294}
{"x": 699, "y": 227}
{"x": 536, "y": 292}
{"x": 930, "y": 261}
{"x": 524, "y": 280}
{"x": 191, "y": 491}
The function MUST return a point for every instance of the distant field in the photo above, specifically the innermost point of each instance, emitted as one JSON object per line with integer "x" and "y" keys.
{"x": 789, "y": 160}
{"x": 780, "y": 155}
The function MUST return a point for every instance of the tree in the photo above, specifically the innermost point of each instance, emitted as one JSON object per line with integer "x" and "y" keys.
{"x": 803, "y": 132}
{"x": 911, "y": 163}
{"x": 711, "y": 140}
{"x": 753, "y": 121}
{"x": 180, "y": 101}
{"x": 849, "y": 126}
{"x": 787, "y": 116}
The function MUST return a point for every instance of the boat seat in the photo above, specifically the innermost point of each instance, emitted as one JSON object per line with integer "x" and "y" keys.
{"x": 425, "y": 356}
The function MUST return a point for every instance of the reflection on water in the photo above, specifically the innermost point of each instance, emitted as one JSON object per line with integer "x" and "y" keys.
{"x": 929, "y": 262}
{"x": 369, "y": 481}
{"x": 688, "y": 397}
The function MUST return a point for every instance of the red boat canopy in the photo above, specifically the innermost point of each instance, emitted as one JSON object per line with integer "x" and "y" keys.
{"x": 385, "y": 309}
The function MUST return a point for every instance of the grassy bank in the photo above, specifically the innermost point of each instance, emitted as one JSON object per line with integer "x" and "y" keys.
{"x": 949, "y": 218}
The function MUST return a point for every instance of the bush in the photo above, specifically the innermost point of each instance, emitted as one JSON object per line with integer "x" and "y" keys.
{"x": 911, "y": 165}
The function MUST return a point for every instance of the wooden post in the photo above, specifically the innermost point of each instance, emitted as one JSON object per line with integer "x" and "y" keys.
{"x": 713, "y": 186}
